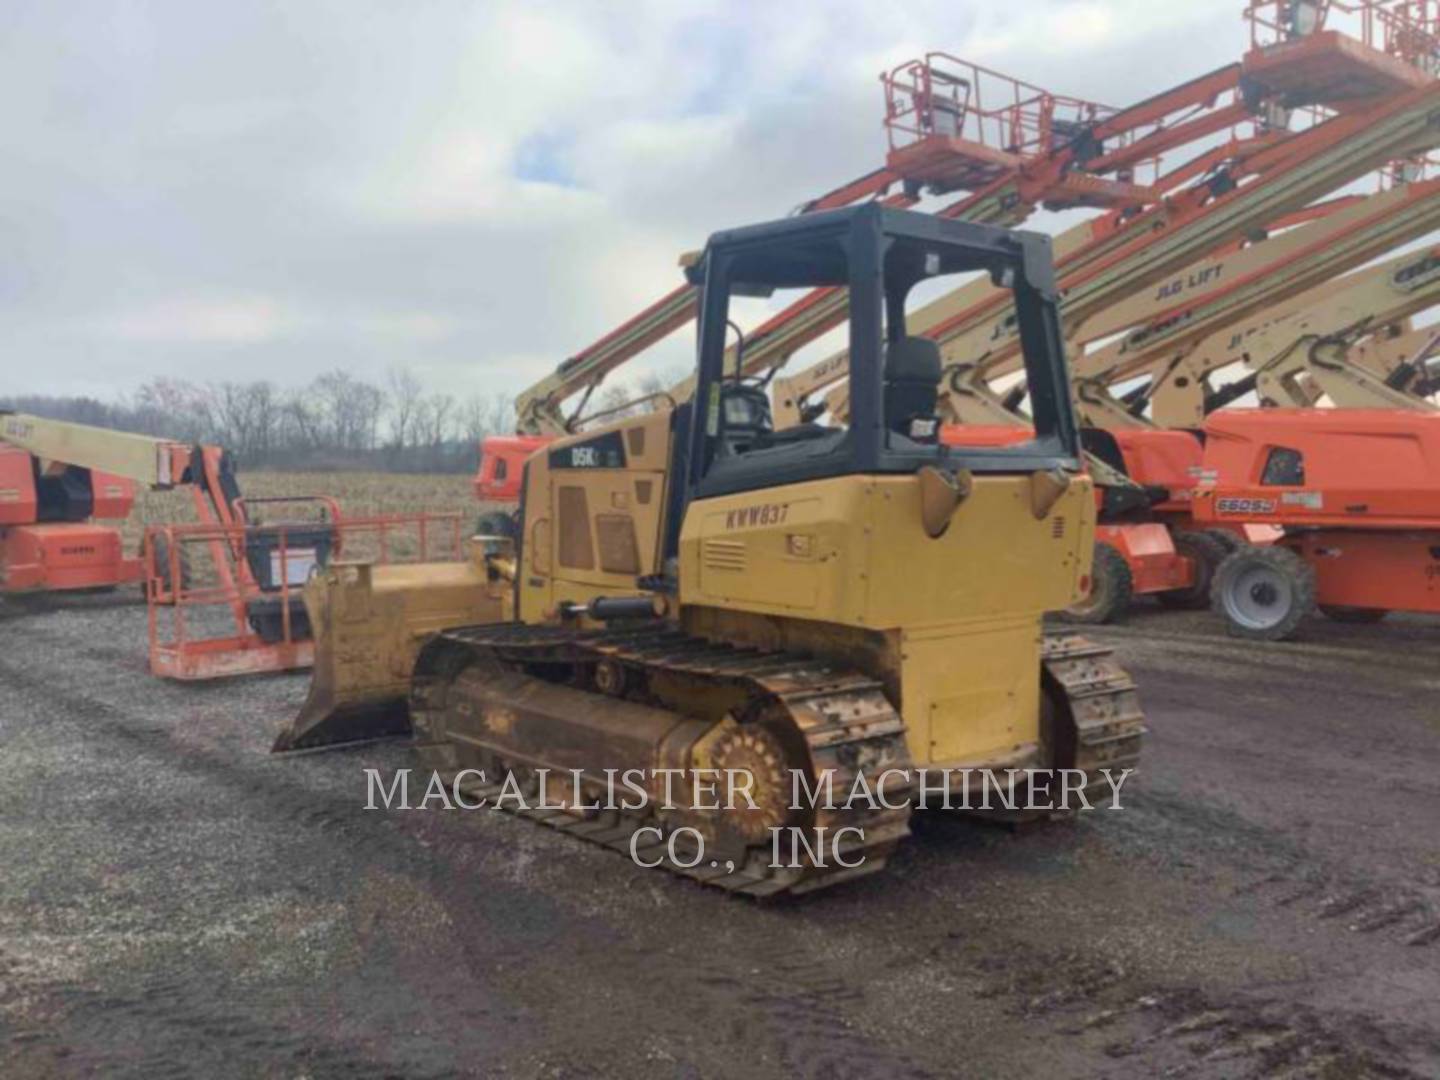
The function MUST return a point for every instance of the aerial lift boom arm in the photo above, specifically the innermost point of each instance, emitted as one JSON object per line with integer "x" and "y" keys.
{"x": 157, "y": 463}
{"x": 1220, "y": 292}
{"x": 1276, "y": 180}
{"x": 1102, "y": 262}
{"x": 1181, "y": 364}
{"x": 1070, "y": 153}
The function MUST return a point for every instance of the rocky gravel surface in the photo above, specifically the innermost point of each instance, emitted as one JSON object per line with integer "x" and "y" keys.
{"x": 176, "y": 902}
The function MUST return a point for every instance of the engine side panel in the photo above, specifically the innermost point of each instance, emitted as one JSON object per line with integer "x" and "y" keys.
{"x": 594, "y": 510}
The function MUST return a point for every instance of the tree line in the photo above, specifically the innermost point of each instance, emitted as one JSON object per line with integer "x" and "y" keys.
{"x": 334, "y": 422}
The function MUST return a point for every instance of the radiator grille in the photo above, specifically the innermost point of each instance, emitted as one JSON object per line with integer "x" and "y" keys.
{"x": 723, "y": 554}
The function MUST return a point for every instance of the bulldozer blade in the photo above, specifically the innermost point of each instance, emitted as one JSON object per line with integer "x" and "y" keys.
{"x": 368, "y": 624}
{"x": 347, "y": 702}
{"x": 323, "y": 723}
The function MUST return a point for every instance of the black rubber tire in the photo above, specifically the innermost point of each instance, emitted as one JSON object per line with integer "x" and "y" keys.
{"x": 497, "y": 523}
{"x": 1263, "y": 593}
{"x": 1112, "y": 587}
{"x": 1230, "y": 541}
{"x": 1356, "y": 616}
{"x": 1207, "y": 553}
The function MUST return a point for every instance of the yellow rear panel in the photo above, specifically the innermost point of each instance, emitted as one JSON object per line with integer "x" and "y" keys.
{"x": 964, "y": 608}
{"x": 852, "y": 550}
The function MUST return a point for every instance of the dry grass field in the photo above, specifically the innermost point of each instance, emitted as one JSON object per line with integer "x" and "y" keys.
{"x": 176, "y": 901}
{"x": 361, "y": 494}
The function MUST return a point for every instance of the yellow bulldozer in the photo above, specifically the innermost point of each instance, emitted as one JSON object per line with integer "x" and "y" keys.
{"x": 693, "y": 591}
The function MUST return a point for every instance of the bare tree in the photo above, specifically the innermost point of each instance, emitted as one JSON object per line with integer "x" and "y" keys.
{"x": 502, "y": 413}
{"x": 653, "y": 391}
{"x": 335, "y": 421}
{"x": 475, "y": 419}
{"x": 405, "y": 394}
{"x": 369, "y": 406}
{"x": 174, "y": 409}
{"x": 301, "y": 423}
{"x": 245, "y": 416}
{"x": 615, "y": 402}
{"x": 265, "y": 415}
{"x": 440, "y": 416}
{"x": 349, "y": 411}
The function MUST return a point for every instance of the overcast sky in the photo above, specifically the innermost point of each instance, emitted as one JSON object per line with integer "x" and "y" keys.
{"x": 247, "y": 189}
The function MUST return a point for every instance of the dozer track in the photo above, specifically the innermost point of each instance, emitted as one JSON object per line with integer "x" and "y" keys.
{"x": 1106, "y": 725}
{"x": 825, "y": 718}
{"x": 476, "y": 689}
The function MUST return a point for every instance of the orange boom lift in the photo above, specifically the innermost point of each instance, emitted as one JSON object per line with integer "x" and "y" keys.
{"x": 1357, "y": 495}
{"x": 59, "y": 481}
{"x": 223, "y": 593}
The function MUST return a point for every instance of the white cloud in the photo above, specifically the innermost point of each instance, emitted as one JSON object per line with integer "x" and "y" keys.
{"x": 417, "y": 327}
{"x": 478, "y": 190}
{"x": 190, "y": 320}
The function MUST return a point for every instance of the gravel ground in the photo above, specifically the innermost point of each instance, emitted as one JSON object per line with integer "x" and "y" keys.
{"x": 176, "y": 902}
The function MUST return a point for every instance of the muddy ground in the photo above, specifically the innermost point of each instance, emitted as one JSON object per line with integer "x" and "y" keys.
{"x": 175, "y": 902}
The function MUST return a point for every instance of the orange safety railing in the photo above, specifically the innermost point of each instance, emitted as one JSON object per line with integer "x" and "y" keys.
{"x": 227, "y": 599}
{"x": 943, "y": 95}
{"x": 1408, "y": 30}
{"x": 1326, "y": 56}
{"x": 955, "y": 125}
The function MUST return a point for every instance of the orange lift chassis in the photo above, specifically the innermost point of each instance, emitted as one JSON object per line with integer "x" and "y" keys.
{"x": 1295, "y": 357}
{"x": 223, "y": 594}
{"x": 1356, "y": 493}
{"x": 59, "y": 476}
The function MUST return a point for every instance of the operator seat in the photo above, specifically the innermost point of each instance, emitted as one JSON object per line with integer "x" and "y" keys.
{"x": 912, "y": 388}
{"x": 744, "y": 418}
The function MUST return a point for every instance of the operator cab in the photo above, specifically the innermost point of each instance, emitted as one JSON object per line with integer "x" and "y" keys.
{"x": 912, "y": 369}
{"x": 912, "y": 388}
{"x": 880, "y": 256}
